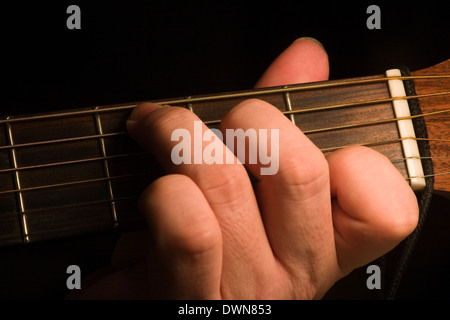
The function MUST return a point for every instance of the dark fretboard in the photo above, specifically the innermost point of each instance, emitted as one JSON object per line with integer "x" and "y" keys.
{"x": 77, "y": 171}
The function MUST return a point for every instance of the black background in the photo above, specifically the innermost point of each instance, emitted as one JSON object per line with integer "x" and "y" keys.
{"x": 151, "y": 50}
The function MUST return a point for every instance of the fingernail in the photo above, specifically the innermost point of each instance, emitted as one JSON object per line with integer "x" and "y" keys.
{"x": 142, "y": 110}
{"x": 310, "y": 39}
{"x": 139, "y": 112}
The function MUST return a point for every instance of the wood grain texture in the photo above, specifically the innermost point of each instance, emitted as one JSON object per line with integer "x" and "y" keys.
{"x": 438, "y": 126}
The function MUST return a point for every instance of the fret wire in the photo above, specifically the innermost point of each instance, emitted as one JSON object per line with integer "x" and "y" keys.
{"x": 101, "y": 140}
{"x": 272, "y": 90}
{"x": 287, "y": 100}
{"x": 73, "y": 139}
{"x": 19, "y": 196}
{"x": 189, "y": 105}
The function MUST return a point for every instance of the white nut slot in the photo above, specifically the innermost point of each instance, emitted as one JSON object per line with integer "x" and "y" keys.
{"x": 406, "y": 130}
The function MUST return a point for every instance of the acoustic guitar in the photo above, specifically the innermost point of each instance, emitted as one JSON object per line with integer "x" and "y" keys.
{"x": 78, "y": 172}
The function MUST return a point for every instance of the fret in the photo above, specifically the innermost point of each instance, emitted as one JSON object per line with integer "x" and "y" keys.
{"x": 287, "y": 99}
{"x": 106, "y": 169}
{"x": 10, "y": 225}
{"x": 140, "y": 165}
{"x": 189, "y": 105}
{"x": 44, "y": 220}
{"x": 20, "y": 201}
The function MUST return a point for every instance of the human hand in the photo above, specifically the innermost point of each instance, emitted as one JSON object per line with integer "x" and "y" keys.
{"x": 212, "y": 236}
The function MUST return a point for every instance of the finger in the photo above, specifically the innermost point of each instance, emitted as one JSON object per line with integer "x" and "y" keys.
{"x": 226, "y": 187}
{"x": 126, "y": 252}
{"x": 295, "y": 197}
{"x": 187, "y": 236}
{"x": 305, "y": 60}
{"x": 374, "y": 208}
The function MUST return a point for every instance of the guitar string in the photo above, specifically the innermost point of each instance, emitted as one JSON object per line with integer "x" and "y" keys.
{"x": 71, "y": 183}
{"x": 213, "y": 97}
{"x": 374, "y": 143}
{"x": 79, "y": 161}
{"x": 420, "y": 158}
{"x": 152, "y": 172}
{"x": 211, "y": 122}
{"x": 86, "y": 203}
{"x": 143, "y": 153}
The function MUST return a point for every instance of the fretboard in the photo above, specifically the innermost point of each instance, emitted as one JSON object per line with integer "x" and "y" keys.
{"x": 77, "y": 171}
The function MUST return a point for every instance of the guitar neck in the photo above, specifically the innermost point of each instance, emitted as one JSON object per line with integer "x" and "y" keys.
{"x": 77, "y": 171}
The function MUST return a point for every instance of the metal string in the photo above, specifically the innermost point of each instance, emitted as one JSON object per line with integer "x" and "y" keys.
{"x": 245, "y": 94}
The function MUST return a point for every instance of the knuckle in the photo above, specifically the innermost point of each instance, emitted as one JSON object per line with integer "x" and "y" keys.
{"x": 195, "y": 241}
{"x": 246, "y": 108}
{"x": 226, "y": 186}
{"x": 312, "y": 176}
{"x": 200, "y": 237}
{"x": 404, "y": 223}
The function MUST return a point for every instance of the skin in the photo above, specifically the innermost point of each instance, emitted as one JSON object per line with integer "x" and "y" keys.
{"x": 212, "y": 236}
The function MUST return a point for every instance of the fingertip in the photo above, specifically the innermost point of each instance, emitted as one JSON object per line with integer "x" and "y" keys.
{"x": 139, "y": 112}
{"x": 311, "y": 40}
{"x": 142, "y": 110}
{"x": 315, "y": 64}
{"x": 305, "y": 60}
{"x": 167, "y": 215}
